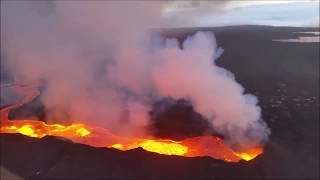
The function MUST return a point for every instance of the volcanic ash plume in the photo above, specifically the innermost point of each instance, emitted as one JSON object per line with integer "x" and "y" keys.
{"x": 102, "y": 67}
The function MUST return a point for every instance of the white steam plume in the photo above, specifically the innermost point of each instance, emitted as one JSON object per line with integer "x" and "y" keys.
{"x": 190, "y": 73}
{"x": 101, "y": 66}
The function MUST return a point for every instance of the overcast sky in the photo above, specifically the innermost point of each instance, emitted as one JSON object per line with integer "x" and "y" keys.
{"x": 274, "y": 13}
{"x": 195, "y": 13}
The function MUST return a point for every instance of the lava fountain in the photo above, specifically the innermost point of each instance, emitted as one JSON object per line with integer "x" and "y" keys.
{"x": 100, "y": 137}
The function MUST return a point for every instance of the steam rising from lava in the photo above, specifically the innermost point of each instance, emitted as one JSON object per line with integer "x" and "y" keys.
{"x": 101, "y": 66}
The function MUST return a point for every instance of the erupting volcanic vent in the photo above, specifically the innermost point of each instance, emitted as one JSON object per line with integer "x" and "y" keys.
{"x": 104, "y": 70}
{"x": 99, "y": 137}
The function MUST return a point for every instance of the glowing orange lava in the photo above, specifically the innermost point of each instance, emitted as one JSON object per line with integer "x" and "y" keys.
{"x": 99, "y": 137}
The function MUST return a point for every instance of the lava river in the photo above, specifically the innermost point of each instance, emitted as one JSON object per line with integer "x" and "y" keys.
{"x": 100, "y": 137}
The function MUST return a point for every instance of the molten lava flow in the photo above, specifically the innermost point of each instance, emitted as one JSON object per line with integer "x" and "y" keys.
{"x": 99, "y": 137}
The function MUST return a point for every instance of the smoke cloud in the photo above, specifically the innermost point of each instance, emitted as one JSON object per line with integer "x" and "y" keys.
{"x": 102, "y": 66}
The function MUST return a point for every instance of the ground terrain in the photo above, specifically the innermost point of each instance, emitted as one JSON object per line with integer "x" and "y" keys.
{"x": 284, "y": 76}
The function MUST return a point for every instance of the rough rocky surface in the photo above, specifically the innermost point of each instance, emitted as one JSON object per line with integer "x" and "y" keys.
{"x": 56, "y": 158}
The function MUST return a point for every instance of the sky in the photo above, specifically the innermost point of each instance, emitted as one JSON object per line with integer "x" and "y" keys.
{"x": 273, "y": 13}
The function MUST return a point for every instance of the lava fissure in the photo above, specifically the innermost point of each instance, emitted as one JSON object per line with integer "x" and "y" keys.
{"x": 100, "y": 137}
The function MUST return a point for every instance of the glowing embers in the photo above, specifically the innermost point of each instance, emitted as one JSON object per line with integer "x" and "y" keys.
{"x": 39, "y": 129}
{"x": 27, "y": 130}
{"x": 99, "y": 137}
{"x": 251, "y": 154}
{"x": 158, "y": 146}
